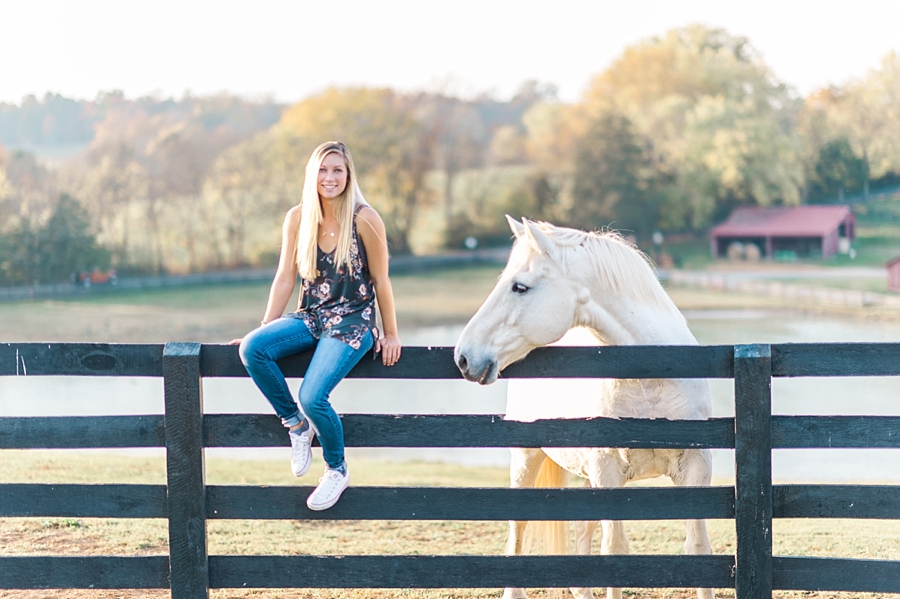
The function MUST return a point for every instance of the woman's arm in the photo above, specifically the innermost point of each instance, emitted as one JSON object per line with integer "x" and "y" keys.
{"x": 286, "y": 274}
{"x": 371, "y": 232}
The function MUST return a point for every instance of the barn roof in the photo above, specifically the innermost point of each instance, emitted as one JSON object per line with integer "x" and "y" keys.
{"x": 796, "y": 221}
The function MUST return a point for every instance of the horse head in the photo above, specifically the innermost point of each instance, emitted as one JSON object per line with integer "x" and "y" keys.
{"x": 533, "y": 304}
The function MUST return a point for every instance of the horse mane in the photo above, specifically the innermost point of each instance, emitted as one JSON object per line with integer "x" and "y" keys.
{"x": 619, "y": 265}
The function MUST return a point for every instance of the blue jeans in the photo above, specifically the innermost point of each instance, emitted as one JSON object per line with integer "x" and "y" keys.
{"x": 330, "y": 363}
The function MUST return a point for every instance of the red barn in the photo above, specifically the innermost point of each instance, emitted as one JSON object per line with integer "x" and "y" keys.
{"x": 893, "y": 270}
{"x": 791, "y": 232}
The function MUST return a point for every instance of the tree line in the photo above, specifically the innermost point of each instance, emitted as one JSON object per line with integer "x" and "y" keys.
{"x": 675, "y": 133}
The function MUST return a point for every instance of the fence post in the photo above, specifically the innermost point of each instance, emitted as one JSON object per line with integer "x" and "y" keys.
{"x": 186, "y": 481}
{"x": 753, "y": 470}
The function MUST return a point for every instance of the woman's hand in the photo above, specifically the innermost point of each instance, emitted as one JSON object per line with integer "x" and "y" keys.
{"x": 389, "y": 346}
{"x": 235, "y": 341}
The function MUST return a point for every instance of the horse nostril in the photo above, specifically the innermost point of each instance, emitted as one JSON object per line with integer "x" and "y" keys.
{"x": 462, "y": 363}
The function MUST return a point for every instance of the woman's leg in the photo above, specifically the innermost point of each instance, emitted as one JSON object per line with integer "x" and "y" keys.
{"x": 330, "y": 363}
{"x": 262, "y": 347}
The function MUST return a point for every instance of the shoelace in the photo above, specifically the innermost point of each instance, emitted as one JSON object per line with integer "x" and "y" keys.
{"x": 332, "y": 478}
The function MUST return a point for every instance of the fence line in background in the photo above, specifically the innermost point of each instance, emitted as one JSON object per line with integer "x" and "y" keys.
{"x": 846, "y": 298}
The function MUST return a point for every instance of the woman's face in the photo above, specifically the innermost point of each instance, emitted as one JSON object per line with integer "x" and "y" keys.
{"x": 332, "y": 176}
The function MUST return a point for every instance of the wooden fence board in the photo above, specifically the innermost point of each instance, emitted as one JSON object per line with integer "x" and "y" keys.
{"x": 845, "y": 432}
{"x": 151, "y": 572}
{"x": 80, "y": 359}
{"x": 443, "y": 503}
{"x": 830, "y": 574}
{"x": 84, "y": 432}
{"x": 83, "y": 501}
{"x": 385, "y": 430}
{"x": 836, "y": 359}
{"x": 712, "y": 361}
{"x": 414, "y": 430}
{"x": 463, "y": 571}
{"x": 788, "y": 360}
{"x": 836, "y": 501}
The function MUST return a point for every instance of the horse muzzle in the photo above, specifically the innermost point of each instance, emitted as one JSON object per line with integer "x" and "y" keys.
{"x": 481, "y": 371}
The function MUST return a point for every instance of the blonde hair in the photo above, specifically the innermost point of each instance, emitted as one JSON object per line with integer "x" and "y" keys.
{"x": 311, "y": 211}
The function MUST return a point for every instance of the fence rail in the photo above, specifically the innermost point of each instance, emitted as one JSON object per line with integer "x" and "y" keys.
{"x": 187, "y": 502}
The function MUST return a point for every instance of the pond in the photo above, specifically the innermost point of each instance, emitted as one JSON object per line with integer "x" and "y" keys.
{"x": 26, "y": 396}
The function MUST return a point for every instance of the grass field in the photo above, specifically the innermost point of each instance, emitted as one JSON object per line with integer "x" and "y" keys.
{"x": 219, "y": 313}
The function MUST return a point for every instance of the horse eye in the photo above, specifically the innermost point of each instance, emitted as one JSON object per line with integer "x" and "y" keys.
{"x": 519, "y": 288}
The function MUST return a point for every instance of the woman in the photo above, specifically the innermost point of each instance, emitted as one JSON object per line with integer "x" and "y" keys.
{"x": 336, "y": 242}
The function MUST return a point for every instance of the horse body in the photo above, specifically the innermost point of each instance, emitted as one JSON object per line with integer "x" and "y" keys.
{"x": 557, "y": 279}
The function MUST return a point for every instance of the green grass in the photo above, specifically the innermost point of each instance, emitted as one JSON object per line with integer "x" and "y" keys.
{"x": 853, "y": 284}
{"x": 219, "y": 313}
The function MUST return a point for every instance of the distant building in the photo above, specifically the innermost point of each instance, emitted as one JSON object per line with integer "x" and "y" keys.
{"x": 785, "y": 232}
{"x": 893, "y": 272}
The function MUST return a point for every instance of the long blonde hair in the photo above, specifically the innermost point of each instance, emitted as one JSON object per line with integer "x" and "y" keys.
{"x": 311, "y": 211}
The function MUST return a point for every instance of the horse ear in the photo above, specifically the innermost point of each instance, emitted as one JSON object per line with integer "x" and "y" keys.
{"x": 538, "y": 240}
{"x": 516, "y": 227}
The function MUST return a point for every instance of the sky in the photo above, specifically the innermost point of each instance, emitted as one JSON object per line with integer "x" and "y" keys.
{"x": 290, "y": 49}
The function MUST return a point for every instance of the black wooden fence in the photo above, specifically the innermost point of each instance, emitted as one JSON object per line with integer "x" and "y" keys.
{"x": 187, "y": 502}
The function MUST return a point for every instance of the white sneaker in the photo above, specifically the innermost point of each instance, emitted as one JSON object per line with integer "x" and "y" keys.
{"x": 329, "y": 490}
{"x": 301, "y": 451}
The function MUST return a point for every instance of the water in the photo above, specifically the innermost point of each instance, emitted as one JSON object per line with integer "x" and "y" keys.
{"x": 64, "y": 396}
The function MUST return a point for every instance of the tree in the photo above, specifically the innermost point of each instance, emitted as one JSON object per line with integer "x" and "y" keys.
{"x": 460, "y": 138}
{"x": 149, "y": 161}
{"x": 613, "y": 182}
{"x": 67, "y": 244}
{"x": 111, "y": 185}
{"x": 718, "y": 125}
{"x": 239, "y": 191}
{"x": 838, "y": 169}
{"x": 33, "y": 185}
{"x": 866, "y": 113}
{"x": 733, "y": 154}
{"x": 33, "y": 253}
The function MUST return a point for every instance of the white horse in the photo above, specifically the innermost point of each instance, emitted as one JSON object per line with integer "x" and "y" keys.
{"x": 557, "y": 279}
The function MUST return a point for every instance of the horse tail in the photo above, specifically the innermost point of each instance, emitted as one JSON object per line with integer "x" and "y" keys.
{"x": 549, "y": 537}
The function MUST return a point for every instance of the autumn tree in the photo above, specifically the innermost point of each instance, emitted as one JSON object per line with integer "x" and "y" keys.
{"x": 148, "y": 164}
{"x": 460, "y": 138}
{"x": 113, "y": 181}
{"x": 249, "y": 185}
{"x": 718, "y": 123}
{"x": 866, "y": 113}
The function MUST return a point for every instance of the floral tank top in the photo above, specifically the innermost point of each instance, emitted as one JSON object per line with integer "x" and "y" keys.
{"x": 340, "y": 303}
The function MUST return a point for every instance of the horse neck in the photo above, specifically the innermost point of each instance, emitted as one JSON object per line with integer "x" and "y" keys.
{"x": 632, "y": 314}
{"x": 619, "y": 322}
